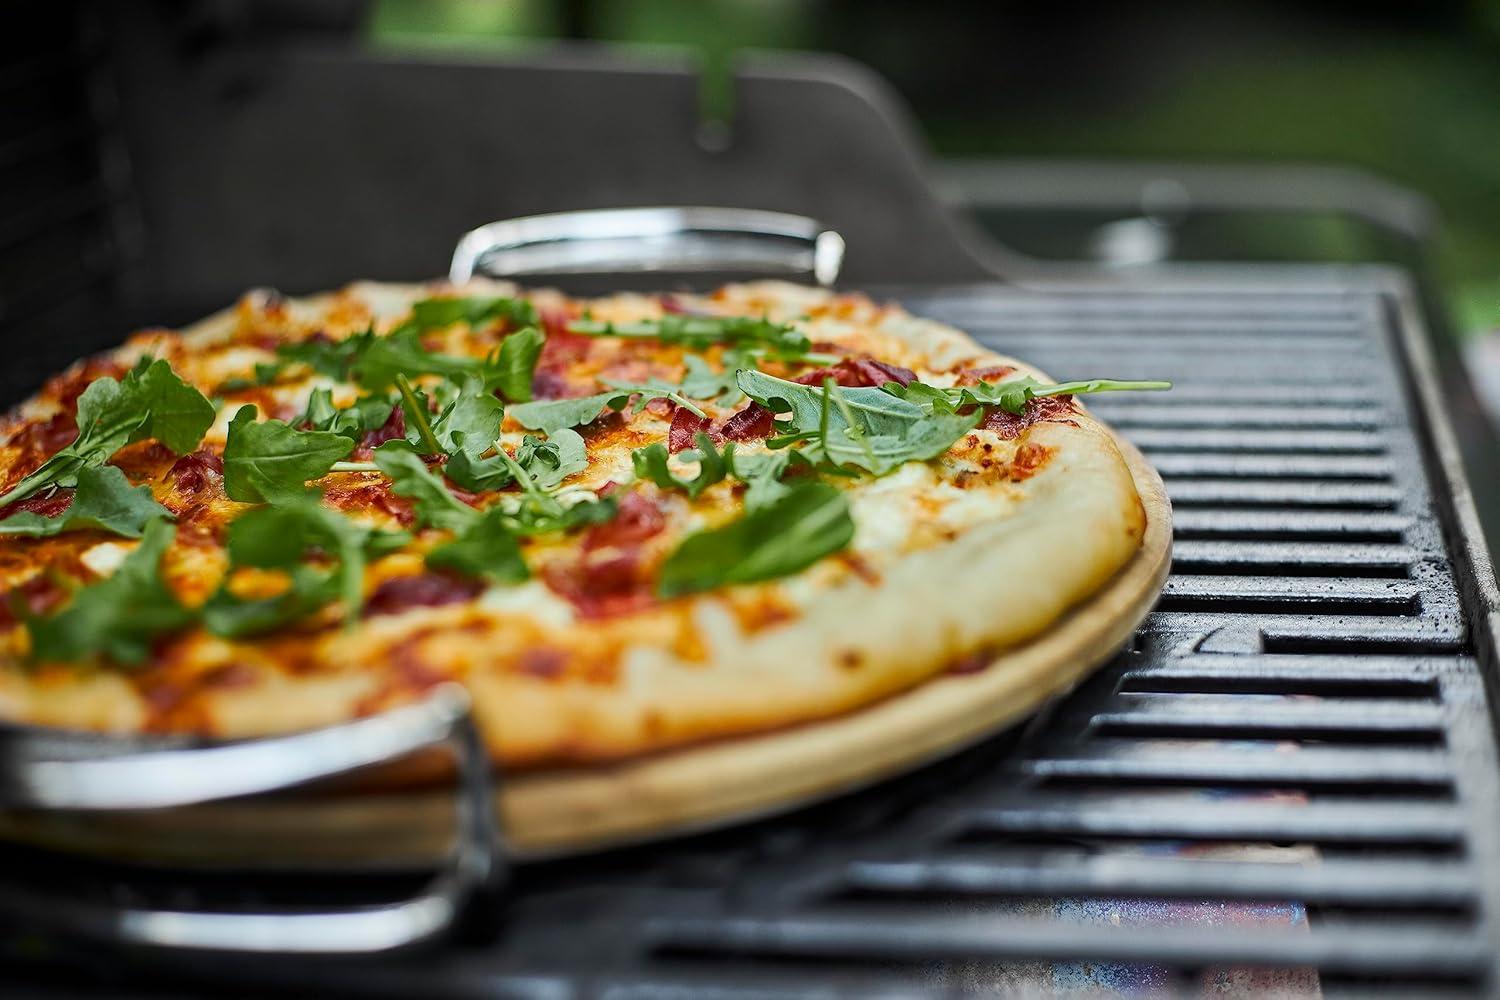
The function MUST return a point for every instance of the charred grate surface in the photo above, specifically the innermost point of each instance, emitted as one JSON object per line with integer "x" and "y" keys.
{"x": 1287, "y": 782}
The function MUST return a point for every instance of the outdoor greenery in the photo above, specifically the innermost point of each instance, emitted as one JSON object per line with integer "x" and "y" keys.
{"x": 1414, "y": 99}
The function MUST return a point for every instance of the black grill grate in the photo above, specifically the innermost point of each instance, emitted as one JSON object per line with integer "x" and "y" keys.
{"x": 1294, "y": 758}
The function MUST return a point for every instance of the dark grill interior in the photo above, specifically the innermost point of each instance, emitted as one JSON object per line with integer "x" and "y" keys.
{"x": 1293, "y": 762}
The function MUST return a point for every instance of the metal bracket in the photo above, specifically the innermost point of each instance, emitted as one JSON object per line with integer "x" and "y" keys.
{"x": 636, "y": 240}
{"x": 175, "y": 776}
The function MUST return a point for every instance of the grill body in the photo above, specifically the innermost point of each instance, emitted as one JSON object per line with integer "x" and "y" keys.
{"x": 1292, "y": 767}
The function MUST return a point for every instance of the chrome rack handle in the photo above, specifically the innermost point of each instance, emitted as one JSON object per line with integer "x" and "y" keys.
{"x": 152, "y": 779}
{"x": 638, "y": 240}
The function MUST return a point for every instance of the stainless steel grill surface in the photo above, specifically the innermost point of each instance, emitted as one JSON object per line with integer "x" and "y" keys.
{"x": 1299, "y": 731}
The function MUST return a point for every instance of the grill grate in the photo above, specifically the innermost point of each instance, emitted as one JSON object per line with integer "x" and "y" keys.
{"x": 1292, "y": 767}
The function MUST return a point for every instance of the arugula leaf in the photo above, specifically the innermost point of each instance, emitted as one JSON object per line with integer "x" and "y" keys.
{"x": 762, "y": 473}
{"x": 876, "y": 411}
{"x": 809, "y": 522}
{"x": 543, "y": 515}
{"x": 1011, "y": 395}
{"x": 177, "y": 414}
{"x": 867, "y": 428}
{"x": 548, "y": 415}
{"x": 471, "y": 422}
{"x": 702, "y": 382}
{"x": 782, "y": 339}
{"x": 283, "y": 537}
{"x": 651, "y": 463}
{"x": 478, "y": 474}
{"x": 401, "y": 353}
{"x": 517, "y": 366}
{"x": 485, "y": 549}
{"x": 436, "y": 506}
{"x": 539, "y": 512}
{"x": 474, "y": 310}
{"x": 367, "y": 414}
{"x": 151, "y": 401}
{"x": 105, "y": 500}
{"x": 551, "y": 461}
{"x": 418, "y": 418}
{"x": 377, "y": 359}
{"x": 264, "y": 374}
{"x": 119, "y": 616}
{"x": 547, "y": 462}
{"x": 233, "y": 617}
{"x": 270, "y": 461}
{"x": 484, "y": 543}
{"x": 334, "y": 358}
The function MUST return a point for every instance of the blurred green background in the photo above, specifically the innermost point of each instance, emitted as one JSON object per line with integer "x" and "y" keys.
{"x": 1408, "y": 91}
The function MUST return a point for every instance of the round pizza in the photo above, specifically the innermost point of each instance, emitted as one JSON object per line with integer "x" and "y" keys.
{"x": 623, "y": 524}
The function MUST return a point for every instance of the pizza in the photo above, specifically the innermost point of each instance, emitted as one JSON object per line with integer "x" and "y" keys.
{"x": 624, "y": 524}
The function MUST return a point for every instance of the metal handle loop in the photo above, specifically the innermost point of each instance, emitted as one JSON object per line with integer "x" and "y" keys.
{"x": 637, "y": 240}
{"x": 176, "y": 777}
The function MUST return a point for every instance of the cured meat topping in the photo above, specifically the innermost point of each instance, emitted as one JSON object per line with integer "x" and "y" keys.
{"x": 425, "y": 590}
{"x": 860, "y": 372}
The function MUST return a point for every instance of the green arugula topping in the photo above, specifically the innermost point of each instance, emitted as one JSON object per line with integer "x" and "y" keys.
{"x": 284, "y": 537}
{"x": 808, "y": 522}
{"x": 119, "y": 616}
{"x": 778, "y": 339}
{"x": 862, "y": 427}
{"x": 479, "y": 475}
{"x": 367, "y": 414}
{"x": 271, "y": 462}
{"x": 105, "y": 500}
{"x": 334, "y": 358}
{"x": 517, "y": 363}
{"x": 476, "y": 311}
{"x": 485, "y": 542}
{"x": 539, "y": 512}
{"x": 762, "y": 472}
{"x": 549, "y": 415}
{"x": 1011, "y": 395}
{"x": 470, "y": 423}
{"x": 264, "y": 374}
{"x": 419, "y": 433}
{"x": 651, "y": 463}
{"x": 485, "y": 549}
{"x": 377, "y": 360}
{"x": 151, "y": 402}
{"x": 402, "y": 354}
{"x": 435, "y": 504}
{"x": 702, "y": 382}
{"x": 548, "y": 462}
{"x": 551, "y": 461}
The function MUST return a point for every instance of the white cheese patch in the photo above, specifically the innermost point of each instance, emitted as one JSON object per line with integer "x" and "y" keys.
{"x": 230, "y": 361}
{"x": 103, "y": 559}
{"x": 883, "y": 509}
{"x": 531, "y": 599}
{"x": 219, "y": 431}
